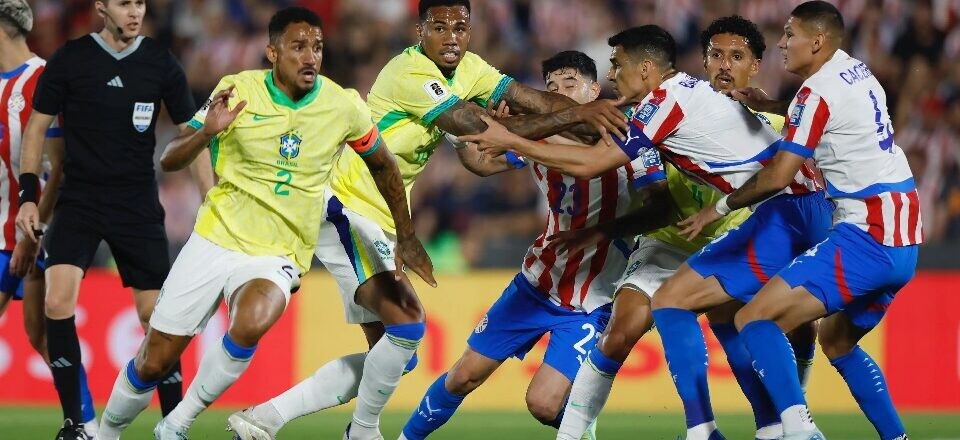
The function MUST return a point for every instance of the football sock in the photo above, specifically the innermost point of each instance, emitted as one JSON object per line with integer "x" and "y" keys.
{"x": 588, "y": 394}
{"x": 170, "y": 390}
{"x": 63, "y": 347}
{"x": 333, "y": 384}
{"x": 437, "y": 406}
{"x": 764, "y": 413}
{"x": 218, "y": 370}
{"x": 869, "y": 388}
{"x": 88, "y": 412}
{"x": 804, "y": 353}
{"x": 686, "y": 352}
{"x": 130, "y": 396}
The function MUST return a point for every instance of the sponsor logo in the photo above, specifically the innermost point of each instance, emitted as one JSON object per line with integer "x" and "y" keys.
{"x": 763, "y": 118}
{"x": 645, "y": 114}
{"x": 115, "y": 82}
{"x": 290, "y": 145}
{"x": 436, "y": 90}
{"x": 797, "y": 114}
{"x": 482, "y": 325}
{"x": 651, "y": 157}
{"x": 689, "y": 82}
{"x": 382, "y": 248}
{"x": 143, "y": 115}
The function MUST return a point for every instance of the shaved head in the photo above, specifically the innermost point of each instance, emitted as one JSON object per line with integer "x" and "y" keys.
{"x": 821, "y": 17}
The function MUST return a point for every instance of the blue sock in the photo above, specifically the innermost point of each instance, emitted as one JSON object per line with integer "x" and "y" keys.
{"x": 412, "y": 364}
{"x": 87, "y": 411}
{"x": 803, "y": 350}
{"x": 774, "y": 361}
{"x": 138, "y": 384}
{"x": 604, "y": 364}
{"x": 437, "y": 406}
{"x": 237, "y": 351}
{"x": 686, "y": 353}
{"x": 738, "y": 357}
{"x": 869, "y": 388}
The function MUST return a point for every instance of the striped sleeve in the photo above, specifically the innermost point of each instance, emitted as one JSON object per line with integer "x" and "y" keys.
{"x": 808, "y": 120}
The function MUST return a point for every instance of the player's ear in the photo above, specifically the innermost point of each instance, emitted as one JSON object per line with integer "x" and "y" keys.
{"x": 100, "y": 6}
{"x": 755, "y": 67}
{"x": 420, "y": 33}
{"x": 594, "y": 90}
{"x": 271, "y": 53}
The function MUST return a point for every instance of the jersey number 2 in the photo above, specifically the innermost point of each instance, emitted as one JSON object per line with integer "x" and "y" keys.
{"x": 286, "y": 175}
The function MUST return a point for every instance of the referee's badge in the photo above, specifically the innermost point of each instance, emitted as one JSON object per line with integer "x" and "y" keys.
{"x": 142, "y": 115}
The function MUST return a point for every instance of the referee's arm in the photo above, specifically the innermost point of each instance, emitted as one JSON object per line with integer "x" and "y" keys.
{"x": 31, "y": 153}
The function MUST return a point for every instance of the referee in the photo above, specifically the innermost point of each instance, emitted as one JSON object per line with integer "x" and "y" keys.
{"x": 108, "y": 86}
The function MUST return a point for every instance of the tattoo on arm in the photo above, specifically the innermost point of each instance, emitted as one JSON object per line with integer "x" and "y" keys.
{"x": 529, "y": 100}
{"x": 545, "y": 112}
{"x": 464, "y": 118}
{"x": 385, "y": 173}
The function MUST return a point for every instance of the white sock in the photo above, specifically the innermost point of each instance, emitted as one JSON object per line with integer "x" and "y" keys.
{"x": 797, "y": 419}
{"x": 701, "y": 431}
{"x": 588, "y": 394}
{"x": 124, "y": 405}
{"x": 218, "y": 370}
{"x": 333, "y": 384}
{"x": 770, "y": 432}
{"x": 382, "y": 369}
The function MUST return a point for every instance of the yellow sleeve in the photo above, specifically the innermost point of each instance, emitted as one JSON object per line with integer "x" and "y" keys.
{"x": 362, "y": 134}
{"x": 489, "y": 84}
{"x": 197, "y": 121}
{"x": 422, "y": 93}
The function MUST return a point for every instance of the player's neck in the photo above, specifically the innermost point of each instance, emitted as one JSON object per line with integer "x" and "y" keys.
{"x": 116, "y": 40}
{"x": 818, "y": 62}
{"x": 13, "y": 53}
{"x": 291, "y": 92}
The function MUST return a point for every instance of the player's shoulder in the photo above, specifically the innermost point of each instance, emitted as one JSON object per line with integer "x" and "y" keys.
{"x": 840, "y": 76}
{"x": 471, "y": 62}
{"x": 338, "y": 92}
{"x": 410, "y": 60}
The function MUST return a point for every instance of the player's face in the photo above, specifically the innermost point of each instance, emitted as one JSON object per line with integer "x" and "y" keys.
{"x": 123, "y": 15}
{"x": 571, "y": 83}
{"x": 797, "y": 45}
{"x": 729, "y": 62}
{"x": 626, "y": 74}
{"x": 296, "y": 58}
{"x": 445, "y": 35}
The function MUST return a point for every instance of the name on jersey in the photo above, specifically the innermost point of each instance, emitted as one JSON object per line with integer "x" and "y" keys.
{"x": 142, "y": 115}
{"x": 645, "y": 114}
{"x": 856, "y": 73}
{"x": 436, "y": 90}
{"x": 797, "y": 114}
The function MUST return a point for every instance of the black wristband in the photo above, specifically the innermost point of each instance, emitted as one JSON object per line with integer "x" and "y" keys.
{"x": 29, "y": 188}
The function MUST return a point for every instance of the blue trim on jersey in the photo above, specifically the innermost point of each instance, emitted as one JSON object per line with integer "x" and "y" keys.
{"x": 14, "y": 72}
{"x": 501, "y": 87}
{"x": 237, "y": 351}
{"x": 622, "y": 247}
{"x": 872, "y": 190}
{"x": 647, "y": 179}
{"x": 442, "y": 107}
{"x": 194, "y": 124}
{"x": 795, "y": 148}
{"x": 514, "y": 160}
{"x": 636, "y": 142}
{"x": 54, "y": 132}
{"x": 766, "y": 154}
{"x": 342, "y": 224}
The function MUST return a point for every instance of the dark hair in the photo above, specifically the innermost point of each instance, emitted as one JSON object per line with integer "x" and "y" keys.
{"x": 571, "y": 59}
{"x": 11, "y": 28}
{"x": 651, "y": 40}
{"x": 427, "y": 4}
{"x": 735, "y": 25}
{"x": 287, "y": 16}
{"x": 822, "y": 13}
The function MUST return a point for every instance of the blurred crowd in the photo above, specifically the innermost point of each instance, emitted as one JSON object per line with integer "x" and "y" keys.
{"x": 474, "y": 222}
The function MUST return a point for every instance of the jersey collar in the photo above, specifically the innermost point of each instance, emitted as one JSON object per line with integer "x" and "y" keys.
{"x": 419, "y": 50}
{"x": 121, "y": 54}
{"x": 281, "y": 98}
{"x": 14, "y": 72}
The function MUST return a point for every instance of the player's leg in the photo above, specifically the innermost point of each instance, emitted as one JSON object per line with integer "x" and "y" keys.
{"x": 629, "y": 321}
{"x": 143, "y": 261}
{"x": 5, "y": 299}
{"x": 547, "y": 395}
{"x": 765, "y": 414}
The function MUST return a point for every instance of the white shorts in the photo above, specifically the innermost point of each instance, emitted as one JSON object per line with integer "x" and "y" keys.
{"x": 650, "y": 265}
{"x": 202, "y": 274}
{"x": 353, "y": 248}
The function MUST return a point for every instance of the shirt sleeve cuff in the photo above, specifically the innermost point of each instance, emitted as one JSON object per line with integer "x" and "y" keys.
{"x": 795, "y": 148}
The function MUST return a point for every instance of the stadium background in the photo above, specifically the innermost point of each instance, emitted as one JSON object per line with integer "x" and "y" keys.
{"x": 477, "y": 229}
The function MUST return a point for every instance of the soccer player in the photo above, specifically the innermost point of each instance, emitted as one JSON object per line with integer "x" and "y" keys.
{"x": 108, "y": 87}
{"x": 274, "y": 135}
{"x": 427, "y": 90}
{"x": 732, "y": 49}
{"x": 839, "y": 117}
{"x": 718, "y": 142}
{"x": 21, "y": 266}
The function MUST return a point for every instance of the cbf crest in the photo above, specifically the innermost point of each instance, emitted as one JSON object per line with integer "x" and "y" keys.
{"x": 290, "y": 145}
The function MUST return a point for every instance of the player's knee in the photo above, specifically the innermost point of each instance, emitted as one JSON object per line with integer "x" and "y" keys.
{"x": 616, "y": 343}
{"x": 543, "y": 408}
{"x": 667, "y": 296}
{"x": 59, "y": 306}
{"x": 462, "y": 381}
{"x": 833, "y": 341}
{"x": 756, "y": 311}
{"x": 151, "y": 368}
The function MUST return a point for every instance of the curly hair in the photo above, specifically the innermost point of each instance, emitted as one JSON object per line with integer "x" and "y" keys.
{"x": 736, "y": 25}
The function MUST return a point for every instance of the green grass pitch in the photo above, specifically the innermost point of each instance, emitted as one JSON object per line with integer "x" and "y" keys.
{"x": 32, "y": 423}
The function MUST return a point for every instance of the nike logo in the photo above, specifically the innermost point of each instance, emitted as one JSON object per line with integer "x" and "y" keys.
{"x": 577, "y": 405}
{"x": 340, "y": 399}
{"x": 261, "y": 118}
{"x": 382, "y": 393}
{"x": 366, "y": 139}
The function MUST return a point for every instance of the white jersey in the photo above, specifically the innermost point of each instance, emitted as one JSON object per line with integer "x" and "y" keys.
{"x": 839, "y": 117}
{"x": 583, "y": 280}
{"x": 707, "y": 135}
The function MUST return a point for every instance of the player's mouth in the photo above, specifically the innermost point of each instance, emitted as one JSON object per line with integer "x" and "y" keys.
{"x": 308, "y": 75}
{"x": 724, "y": 80}
{"x": 450, "y": 56}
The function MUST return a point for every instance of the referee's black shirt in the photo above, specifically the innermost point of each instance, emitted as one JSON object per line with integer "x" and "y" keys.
{"x": 110, "y": 102}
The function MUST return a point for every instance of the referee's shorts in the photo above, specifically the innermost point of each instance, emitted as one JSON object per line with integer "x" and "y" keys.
{"x": 130, "y": 220}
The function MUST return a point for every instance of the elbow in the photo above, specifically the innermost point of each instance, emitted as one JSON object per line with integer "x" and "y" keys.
{"x": 169, "y": 165}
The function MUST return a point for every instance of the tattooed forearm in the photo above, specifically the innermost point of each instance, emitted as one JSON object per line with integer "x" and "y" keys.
{"x": 528, "y": 100}
{"x": 385, "y": 173}
{"x": 464, "y": 118}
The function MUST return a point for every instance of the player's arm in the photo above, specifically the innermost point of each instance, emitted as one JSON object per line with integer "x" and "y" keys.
{"x": 482, "y": 164}
{"x": 545, "y": 109}
{"x": 758, "y": 100}
{"x": 654, "y": 213}
{"x": 575, "y": 159}
{"x": 201, "y": 168}
{"x": 383, "y": 168}
{"x": 184, "y": 149}
{"x": 31, "y": 154}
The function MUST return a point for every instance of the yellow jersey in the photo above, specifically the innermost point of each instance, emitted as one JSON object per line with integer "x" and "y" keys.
{"x": 690, "y": 197}
{"x": 409, "y": 93}
{"x": 274, "y": 161}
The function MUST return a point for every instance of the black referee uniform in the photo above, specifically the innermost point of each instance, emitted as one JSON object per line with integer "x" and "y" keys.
{"x": 110, "y": 102}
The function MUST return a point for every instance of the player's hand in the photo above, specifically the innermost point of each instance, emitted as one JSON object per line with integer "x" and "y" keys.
{"x": 604, "y": 116}
{"x": 495, "y": 140}
{"x": 219, "y": 115}
{"x": 574, "y": 241}
{"x": 693, "y": 225}
{"x": 28, "y": 220}
{"x": 410, "y": 253}
{"x": 754, "y": 98}
{"x": 500, "y": 111}
{"x": 24, "y": 257}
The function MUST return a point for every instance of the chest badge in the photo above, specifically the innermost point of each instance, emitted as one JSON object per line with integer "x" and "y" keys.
{"x": 142, "y": 115}
{"x": 290, "y": 145}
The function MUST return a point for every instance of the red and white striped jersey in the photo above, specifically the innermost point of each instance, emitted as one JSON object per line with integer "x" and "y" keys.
{"x": 707, "y": 135}
{"x": 16, "y": 102}
{"x": 583, "y": 280}
{"x": 839, "y": 117}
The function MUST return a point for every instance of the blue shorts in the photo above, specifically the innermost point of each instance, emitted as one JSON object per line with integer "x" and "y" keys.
{"x": 852, "y": 273}
{"x": 522, "y": 315}
{"x": 744, "y": 258}
{"x": 10, "y": 284}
